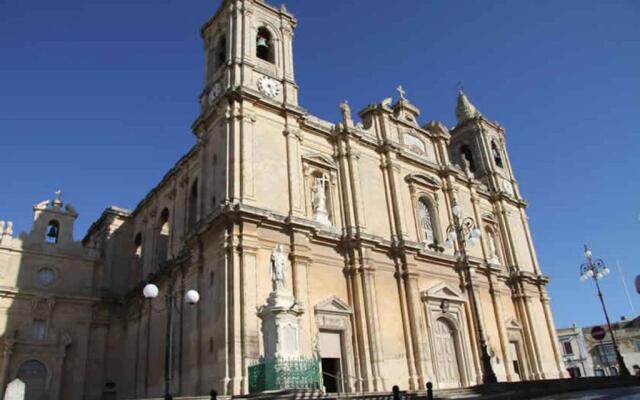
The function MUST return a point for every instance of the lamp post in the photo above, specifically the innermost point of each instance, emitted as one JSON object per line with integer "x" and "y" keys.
{"x": 597, "y": 270}
{"x": 465, "y": 233}
{"x": 150, "y": 292}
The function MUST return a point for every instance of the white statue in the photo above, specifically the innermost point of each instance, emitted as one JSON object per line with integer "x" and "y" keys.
{"x": 319, "y": 200}
{"x": 1, "y": 228}
{"x": 15, "y": 390}
{"x": 278, "y": 268}
{"x": 346, "y": 114}
{"x": 8, "y": 230}
{"x": 491, "y": 244}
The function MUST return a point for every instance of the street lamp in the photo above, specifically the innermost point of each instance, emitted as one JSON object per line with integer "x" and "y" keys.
{"x": 465, "y": 233}
{"x": 150, "y": 292}
{"x": 597, "y": 270}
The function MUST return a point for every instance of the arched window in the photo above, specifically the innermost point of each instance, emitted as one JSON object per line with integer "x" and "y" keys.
{"x": 497, "y": 157}
{"x": 192, "y": 211}
{"x": 264, "y": 45}
{"x": 52, "y": 232}
{"x": 137, "y": 245}
{"x": 221, "y": 51}
{"x": 163, "y": 237}
{"x": 39, "y": 329}
{"x": 426, "y": 216}
{"x": 33, "y": 374}
{"x": 467, "y": 155}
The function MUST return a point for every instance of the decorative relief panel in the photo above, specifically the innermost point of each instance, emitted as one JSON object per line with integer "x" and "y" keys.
{"x": 414, "y": 144}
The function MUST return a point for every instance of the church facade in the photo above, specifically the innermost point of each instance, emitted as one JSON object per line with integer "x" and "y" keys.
{"x": 362, "y": 210}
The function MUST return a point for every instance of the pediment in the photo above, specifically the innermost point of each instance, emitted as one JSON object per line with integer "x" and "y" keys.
{"x": 320, "y": 159}
{"x": 443, "y": 290}
{"x": 421, "y": 179}
{"x": 333, "y": 305}
{"x": 489, "y": 217}
{"x": 512, "y": 323}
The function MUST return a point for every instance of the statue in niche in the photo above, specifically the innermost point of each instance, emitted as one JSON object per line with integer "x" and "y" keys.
{"x": 491, "y": 244}
{"x": 319, "y": 200}
{"x": 425, "y": 221}
{"x": 278, "y": 268}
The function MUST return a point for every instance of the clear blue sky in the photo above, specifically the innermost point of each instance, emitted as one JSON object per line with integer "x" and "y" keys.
{"x": 97, "y": 97}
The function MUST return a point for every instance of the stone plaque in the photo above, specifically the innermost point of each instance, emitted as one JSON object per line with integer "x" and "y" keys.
{"x": 15, "y": 390}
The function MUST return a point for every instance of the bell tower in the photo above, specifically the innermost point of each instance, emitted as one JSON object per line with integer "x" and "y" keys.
{"x": 248, "y": 49}
{"x": 478, "y": 145}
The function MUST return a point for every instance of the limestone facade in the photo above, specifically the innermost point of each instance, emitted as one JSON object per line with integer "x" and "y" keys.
{"x": 361, "y": 210}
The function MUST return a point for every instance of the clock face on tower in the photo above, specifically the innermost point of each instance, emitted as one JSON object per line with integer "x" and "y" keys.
{"x": 268, "y": 86}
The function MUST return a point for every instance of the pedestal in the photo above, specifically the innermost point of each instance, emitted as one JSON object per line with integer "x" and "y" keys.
{"x": 283, "y": 366}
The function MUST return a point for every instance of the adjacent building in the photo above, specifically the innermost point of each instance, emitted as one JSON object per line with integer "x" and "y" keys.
{"x": 575, "y": 354}
{"x": 585, "y": 356}
{"x": 361, "y": 210}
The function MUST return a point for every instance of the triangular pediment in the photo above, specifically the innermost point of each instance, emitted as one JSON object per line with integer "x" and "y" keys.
{"x": 333, "y": 305}
{"x": 443, "y": 290}
{"x": 512, "y": 323}
{"x": 319, "y": 159}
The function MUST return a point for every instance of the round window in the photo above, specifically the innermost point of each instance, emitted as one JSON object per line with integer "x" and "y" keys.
{"x": 46, "y": 276}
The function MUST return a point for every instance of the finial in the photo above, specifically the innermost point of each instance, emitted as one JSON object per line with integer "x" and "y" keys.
{"x": 402, "y": 92}
{"x": 464, "y": 109}
{"x": 460, "y": 87}
{"x": 57, "y": 202}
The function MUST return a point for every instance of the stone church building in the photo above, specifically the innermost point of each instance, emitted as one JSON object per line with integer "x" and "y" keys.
{"x": 361, "y": 208}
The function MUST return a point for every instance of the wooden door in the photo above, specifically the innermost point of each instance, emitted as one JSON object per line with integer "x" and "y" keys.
{"x": 447, "y": 357}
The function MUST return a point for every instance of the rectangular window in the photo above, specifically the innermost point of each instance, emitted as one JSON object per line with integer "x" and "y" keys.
{"x": 637, "y": 346}
{"x": 39, "y": 329}
{"x": 568, "y": 349}
{"x": 574, "y": 372}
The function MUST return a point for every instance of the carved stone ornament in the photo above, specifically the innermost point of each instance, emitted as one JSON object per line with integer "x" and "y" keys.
{"x": 214, "y": 93}
{"x": 268, "y": 86}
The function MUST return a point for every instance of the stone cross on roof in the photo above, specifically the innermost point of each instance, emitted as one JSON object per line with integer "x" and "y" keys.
{"x": 402, "y": 92}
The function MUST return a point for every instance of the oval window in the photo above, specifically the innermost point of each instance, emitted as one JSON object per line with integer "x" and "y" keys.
{"x": 46, "y": 276}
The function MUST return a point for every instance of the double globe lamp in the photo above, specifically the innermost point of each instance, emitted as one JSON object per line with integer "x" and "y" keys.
{"x": 150, "y": 292}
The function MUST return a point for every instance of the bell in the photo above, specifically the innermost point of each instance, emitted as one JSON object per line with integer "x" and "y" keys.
{"x": 262, "y": 42}
{"x": 53, "y": 231}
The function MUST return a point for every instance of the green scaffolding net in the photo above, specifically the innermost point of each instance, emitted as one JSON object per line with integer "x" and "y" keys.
{"x": 284, "y": 374}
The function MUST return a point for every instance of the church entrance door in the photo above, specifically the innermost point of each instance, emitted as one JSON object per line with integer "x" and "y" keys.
{"x": 515, "y": 359}
{"x": 34, "y": 375}
{"x": 331, "y": 358}
{"x": 447, "y": 356}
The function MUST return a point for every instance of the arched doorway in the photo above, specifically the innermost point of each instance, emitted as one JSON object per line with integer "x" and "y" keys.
{"x": 34, "y": 375}
{"x": 446, "y": 354}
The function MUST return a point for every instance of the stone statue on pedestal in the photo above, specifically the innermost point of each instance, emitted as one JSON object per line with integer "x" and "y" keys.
{"x": 281, "y": 337}
{"x": 278, "y": 269}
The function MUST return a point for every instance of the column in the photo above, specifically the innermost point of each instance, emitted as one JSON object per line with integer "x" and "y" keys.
{"x": 544, "y": 299}
{"x": 7, "y": 350}
{"x": 300, "y": 262}
{"x": 371, "y": 309}
{"x": 416, "y": 325}
{"x": 500, "y": 323}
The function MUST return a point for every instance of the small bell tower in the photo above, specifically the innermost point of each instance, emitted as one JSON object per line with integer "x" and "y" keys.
{"x": 478, "y": 146}
{"x": 248, "y": 49}
{"x": 53, "y": 223}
